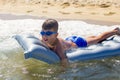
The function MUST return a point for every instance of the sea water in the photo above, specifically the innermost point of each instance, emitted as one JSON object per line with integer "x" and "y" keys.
{"x": 13, "y": 66}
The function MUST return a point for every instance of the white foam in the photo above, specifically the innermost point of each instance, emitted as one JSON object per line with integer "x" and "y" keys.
{"x": 8, "y": 28}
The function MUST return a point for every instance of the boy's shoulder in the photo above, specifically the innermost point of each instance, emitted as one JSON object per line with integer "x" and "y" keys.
{"x": 66, "y": 44}
{"x": 61, "y": 40}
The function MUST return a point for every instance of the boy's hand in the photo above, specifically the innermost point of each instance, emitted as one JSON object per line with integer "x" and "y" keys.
{"x": 65, "y": 63}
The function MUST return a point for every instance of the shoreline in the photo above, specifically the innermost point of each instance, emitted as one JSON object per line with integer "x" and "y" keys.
{"x": 6, "y": 16}
{"x": 95, "y": 11}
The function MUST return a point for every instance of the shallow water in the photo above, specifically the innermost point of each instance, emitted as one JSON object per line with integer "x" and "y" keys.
{"x": 13, "y": 66}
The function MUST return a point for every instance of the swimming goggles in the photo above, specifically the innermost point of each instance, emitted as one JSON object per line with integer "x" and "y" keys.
{"x": 47, "y": 33}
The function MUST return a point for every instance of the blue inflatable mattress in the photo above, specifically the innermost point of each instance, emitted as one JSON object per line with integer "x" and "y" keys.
{"x": 34, "y": 48}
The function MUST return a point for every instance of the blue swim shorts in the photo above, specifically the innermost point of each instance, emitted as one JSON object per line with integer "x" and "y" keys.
{"x": 80, "y": 42}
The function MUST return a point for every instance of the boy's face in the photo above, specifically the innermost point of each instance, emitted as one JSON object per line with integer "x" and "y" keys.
{"x": 49, "y": 36}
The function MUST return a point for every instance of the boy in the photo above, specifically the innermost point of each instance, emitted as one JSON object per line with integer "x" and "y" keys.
{"x": 59, "y": 46}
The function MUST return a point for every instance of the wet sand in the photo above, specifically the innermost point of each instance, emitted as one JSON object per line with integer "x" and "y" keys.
{"x": 16, "y": 16}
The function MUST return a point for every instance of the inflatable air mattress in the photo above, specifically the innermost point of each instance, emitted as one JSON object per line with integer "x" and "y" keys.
{"x": 34, "y": 48}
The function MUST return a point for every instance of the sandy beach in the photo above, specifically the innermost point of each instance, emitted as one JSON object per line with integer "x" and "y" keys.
{"x": 97, "y": 10}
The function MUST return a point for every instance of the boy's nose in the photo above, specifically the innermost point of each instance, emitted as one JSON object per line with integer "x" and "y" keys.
{"x": 45, "y": 37}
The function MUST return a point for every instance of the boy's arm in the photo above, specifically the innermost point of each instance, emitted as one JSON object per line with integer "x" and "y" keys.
{"x": 61, "y": 53}
{"x": 63, "y": 58}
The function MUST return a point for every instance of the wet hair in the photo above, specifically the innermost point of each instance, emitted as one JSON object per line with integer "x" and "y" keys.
{"x": 50, "y": 24}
